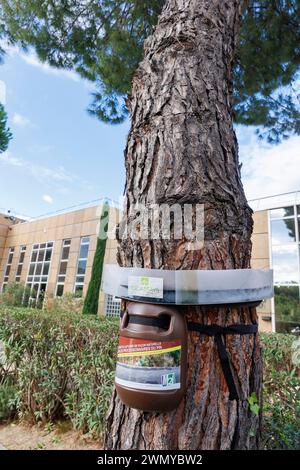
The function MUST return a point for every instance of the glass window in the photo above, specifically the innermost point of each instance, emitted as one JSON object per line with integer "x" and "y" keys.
{"x": 78, "y": 291}
{"x": 46, "y": 269}
{"x": 31, "y": 269}
{"x": 59, "y": 290}
{"x": 63, "y": 267}
{"x": 287, "y": 308}
{"x": 283, "y": 231}
{"x": 7, "y": 270}
{"x": 39, "y": 267}
{"x": 282, "y": 212}
{"x": 19, "y": 269}
{"x": 285, "y": 264}
{"x": 65, "y": 253}
{"x": 84, "y": 249}
{"x": 62, "y": 271}
{"x": 81, "y": 267}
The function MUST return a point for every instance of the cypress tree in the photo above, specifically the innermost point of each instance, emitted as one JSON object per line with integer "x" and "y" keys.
{"x": 91, "y": 301}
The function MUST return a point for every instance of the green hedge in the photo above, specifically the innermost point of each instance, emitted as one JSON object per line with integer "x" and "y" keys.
{"x": 62, "y": 365}
{"x": 59, "y": 365}
{"x": 281, "y": 423}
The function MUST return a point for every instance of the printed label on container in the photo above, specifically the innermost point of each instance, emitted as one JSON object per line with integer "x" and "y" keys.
{"x": 144, "y": 286}
{"x": 148, "y": 365}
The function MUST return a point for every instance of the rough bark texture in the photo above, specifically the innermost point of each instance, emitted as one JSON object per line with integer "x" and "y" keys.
{"x": 182, "y": 149}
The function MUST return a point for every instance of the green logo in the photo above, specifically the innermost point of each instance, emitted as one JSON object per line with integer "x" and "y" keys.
{"x": 171, "y": 379}
{"x": 144, "y": 281}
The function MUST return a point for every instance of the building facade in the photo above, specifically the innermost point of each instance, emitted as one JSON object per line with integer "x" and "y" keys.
{"x": 55, "y": 255}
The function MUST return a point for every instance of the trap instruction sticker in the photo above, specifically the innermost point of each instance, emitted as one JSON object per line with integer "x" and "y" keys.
{"x": 144, "y": 286}
{"x": 148, "y": 364}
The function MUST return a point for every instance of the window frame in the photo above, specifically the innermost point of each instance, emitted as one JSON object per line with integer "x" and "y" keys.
{"x": 85, "y": 240}
{"x": 23, "y": 249}
{"x": 43, "y": 279}
{"x": 66, "y": 243}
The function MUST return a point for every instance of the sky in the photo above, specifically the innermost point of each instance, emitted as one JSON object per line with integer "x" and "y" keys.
{"x": 60, "y": 156}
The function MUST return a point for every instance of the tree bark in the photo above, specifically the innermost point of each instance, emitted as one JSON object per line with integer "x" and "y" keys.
{"x": 181, "y": 149}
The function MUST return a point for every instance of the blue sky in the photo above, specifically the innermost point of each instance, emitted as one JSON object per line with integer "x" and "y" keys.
{"x": 60, "y": 156}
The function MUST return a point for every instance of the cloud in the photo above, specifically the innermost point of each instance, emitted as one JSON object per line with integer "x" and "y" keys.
{"x": 32, "y": 59}
{"x": 6, "y": 157}
{"x": 41, "y": 172}
{"x": 48, "y": 199}
{"x": 21, "y": 120}
{"x": 269, "y": 169}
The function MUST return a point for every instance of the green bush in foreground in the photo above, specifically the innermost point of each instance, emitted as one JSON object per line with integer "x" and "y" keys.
{"x": 62, "y": 365}
{"x": 281, "y": 423}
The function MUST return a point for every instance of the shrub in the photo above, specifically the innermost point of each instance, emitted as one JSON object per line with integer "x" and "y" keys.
{"x": 281, "y": 423}
{"x": 7, "y": 401}
{"x": 67, "y": 303}
{"x": 64, "y": 365}
{"x": 14, "y": 294}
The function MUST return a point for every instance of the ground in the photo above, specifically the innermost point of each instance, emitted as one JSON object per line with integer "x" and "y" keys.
{"x": 22, "y": 436}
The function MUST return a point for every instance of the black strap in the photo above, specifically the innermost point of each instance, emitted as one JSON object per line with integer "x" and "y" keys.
{"x": 159, "y": 322}
{"x": 217, "y": 331}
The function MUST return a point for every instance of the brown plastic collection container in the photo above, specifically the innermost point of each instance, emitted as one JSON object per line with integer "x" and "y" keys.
{"x": 152, "y": 357}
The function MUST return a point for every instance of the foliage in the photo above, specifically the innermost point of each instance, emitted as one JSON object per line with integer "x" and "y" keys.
{"x": 287, "y": 308}
{"x": 68, "y": 302}
{"x": 61, "y": 365}
{"x": 7, "y": 401}
{"x": 281, "y": 393}
{"x": 92, "y": 296}
{"x": 103, "y": 41}
{"x": 253, "y": 404}
{"x": 5, "y": 134}
{"x": 14, "y": 294}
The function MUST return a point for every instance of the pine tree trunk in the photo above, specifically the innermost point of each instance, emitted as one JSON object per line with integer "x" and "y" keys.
{"x": 182, "y": 148}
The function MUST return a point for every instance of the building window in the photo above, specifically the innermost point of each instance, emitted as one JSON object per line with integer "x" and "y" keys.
{"x": 38, "y": 273}
{"x": 20, "y": 263}
{"x": 81, "y": 265}
{"x": 112, "y": 306}
{"x": 62, "y": 271}
{"x": 285, "y": 247}
{"x": 8, "y": 268}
